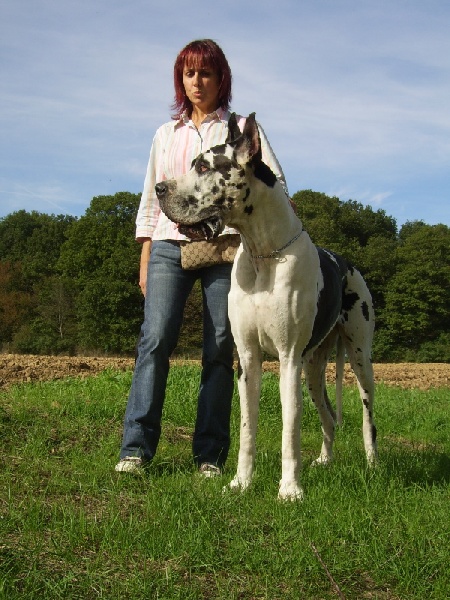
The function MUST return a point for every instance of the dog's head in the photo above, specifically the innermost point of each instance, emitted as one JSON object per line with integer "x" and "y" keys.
{"x": 205, "y": 199}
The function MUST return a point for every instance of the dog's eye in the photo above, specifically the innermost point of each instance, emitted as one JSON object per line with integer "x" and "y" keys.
{"x": 201, "y": 167}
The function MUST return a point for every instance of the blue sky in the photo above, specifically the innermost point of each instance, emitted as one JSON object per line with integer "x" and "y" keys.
{"x": 353, "y": 95}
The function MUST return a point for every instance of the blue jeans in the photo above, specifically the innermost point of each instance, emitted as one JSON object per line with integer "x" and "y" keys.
{"x": 168, "y": 287}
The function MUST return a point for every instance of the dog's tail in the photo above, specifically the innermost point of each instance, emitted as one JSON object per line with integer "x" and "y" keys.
{"x": 340, "y": 362}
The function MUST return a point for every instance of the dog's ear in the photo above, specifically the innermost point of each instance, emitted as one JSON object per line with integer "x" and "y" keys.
{"x": 249, "y": 145}
{"x": 233, "y": 129}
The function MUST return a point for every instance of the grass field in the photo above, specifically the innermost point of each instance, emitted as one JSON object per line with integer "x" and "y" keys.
{"x": 71, "y": 528}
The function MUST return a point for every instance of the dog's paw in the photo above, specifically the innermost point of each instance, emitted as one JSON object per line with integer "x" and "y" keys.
{"x": 290, "y": 491}
{"x": 236, "y": 485}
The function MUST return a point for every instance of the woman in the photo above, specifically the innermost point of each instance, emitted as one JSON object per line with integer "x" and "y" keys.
{"x": 202, "y": 80}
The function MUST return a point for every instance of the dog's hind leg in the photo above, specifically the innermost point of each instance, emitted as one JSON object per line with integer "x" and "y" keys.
{"x": 358, "y": 327}
{"x": 315, "y": 367}
{"x": 362, "y": 366}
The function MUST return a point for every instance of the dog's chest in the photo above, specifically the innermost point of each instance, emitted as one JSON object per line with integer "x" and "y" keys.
{"x": 271, "y": 307}
{"x": 260, "y": 309}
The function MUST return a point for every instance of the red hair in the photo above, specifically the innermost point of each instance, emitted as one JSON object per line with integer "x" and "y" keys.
{"x": 201, "y": 53}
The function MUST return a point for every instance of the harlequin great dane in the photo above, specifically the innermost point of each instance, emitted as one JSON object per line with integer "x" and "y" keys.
{"x": 287, "y": 297}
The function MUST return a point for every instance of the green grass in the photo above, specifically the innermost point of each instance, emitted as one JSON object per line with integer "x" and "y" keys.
{"x": 70, "y": 527}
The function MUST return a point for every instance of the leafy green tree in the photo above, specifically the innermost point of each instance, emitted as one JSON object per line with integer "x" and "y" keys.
{"x": 30, "y": 244}
{"x": 14, "y": 304}
{"x": 320, "y": 215}
{"x": 418, "y": 296}
{"x": 53, "y": 329}
{"x": 102, "y": 257}
{"x": 15, "y": 232}
{"x": 365, "y": 237}
{"x": 71, "y": 284}
{"x": 33, "y": 240}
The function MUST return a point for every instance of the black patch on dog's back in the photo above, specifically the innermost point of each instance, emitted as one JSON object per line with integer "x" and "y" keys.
{"x": 330, "y": 300}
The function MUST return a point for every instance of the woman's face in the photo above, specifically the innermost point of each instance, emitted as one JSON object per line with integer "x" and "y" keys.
{"x": 202, "y": 87}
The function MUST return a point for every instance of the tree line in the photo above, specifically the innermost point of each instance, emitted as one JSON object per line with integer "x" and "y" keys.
{"x": 70, "y": 285}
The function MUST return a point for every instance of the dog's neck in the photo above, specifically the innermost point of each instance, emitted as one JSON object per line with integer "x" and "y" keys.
{"x": 268, "y": 223}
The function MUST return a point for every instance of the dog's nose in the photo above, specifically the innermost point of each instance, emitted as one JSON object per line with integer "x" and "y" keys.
{"x": 161, "y": 189}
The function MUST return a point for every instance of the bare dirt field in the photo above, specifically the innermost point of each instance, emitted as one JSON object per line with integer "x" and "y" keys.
{"x": 15, "y": 368}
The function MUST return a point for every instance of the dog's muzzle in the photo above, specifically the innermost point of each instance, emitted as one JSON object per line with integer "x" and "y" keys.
{"x": 166, "y": 200}
{"x": 206, "y": 228}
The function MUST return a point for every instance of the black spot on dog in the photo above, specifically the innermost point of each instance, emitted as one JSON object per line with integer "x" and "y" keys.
{"x": 247, "y": 194}
{"x": 220, "y": 149}
{"x": 219, "y": 201}
{"x": 374, "y": 434}
{"x": 215, "y": 189}
{"x": 249, "y": 209}
{"x": 349, "y": 300}
{"x": 365, "y": 311}
{"x": 192, "y": 201}
{"x": 222, "y": 165}
{"x": 265, "y": 174}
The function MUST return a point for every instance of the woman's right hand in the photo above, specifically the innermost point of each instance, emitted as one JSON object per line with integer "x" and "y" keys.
{"x": 143, "y": 269}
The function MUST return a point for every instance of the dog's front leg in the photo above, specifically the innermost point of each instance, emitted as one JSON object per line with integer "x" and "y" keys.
{"x": 249, "y": 385}
{"x": 291, "y": 406}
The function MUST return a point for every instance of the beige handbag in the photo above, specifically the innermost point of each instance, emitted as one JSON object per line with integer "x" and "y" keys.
{"x": 205, "y": 253}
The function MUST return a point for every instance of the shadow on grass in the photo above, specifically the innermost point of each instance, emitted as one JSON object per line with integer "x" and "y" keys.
{"x": 417, "y": 465}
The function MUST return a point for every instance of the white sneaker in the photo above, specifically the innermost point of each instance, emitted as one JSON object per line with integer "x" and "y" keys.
{"x": 130, "y": 464}
{"x": 209, "y": 470}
